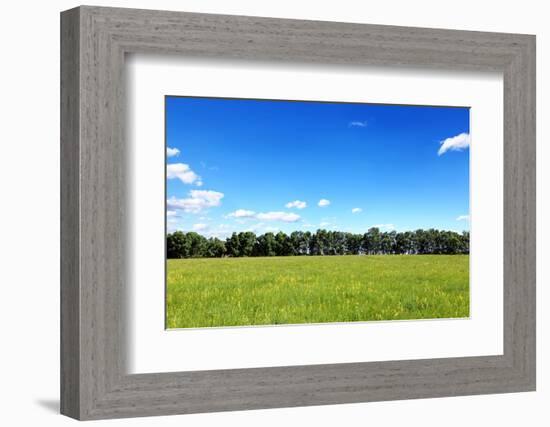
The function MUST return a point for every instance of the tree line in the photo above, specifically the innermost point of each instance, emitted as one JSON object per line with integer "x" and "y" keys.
{"x": 322, "y": 242}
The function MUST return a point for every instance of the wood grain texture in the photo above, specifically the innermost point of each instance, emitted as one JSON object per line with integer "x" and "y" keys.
{"x": 70, "y": 292}
{"x": 94, "y": 381}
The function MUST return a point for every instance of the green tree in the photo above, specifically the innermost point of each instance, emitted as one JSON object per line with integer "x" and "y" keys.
{"x": 197, "y": 245}
{"x": 283, "y": 247}
{"x": 247, "y": 240}
{"x": 353, "y": 243}
{"x": 322, "y": 242}
{"x": 373, "y": 238}
{"x": 176, "y": 245}
{"x": 266, "y": 245}
{"x": 215, "y": 248}
{"x": 233, "y": 246}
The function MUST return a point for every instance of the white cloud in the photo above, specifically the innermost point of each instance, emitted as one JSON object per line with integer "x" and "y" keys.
{"x": 278, "y": 216}
{"x": 172, "y": 152}
{"x": 456, "y": 143}
{"x": 323, "y": 202}
{"x": 200, "y": 227}
{"x": 239, "y": 214}
{"x": 359, "y": 124}
{"x": 183, "y": 172}
{"x": 356, "y": 210}
{"x": 463, "y": 218}
{"x": 197, "y": 201}
{"x": 388, "y": 227}
{"x": 324, "y": 224}
{"x": 242, "y": 213}
{"x": 172, "y": 227}
{"x": 255, "y": 228}
{"x": 298, "y": 204}
{"x": 170, "y": 213}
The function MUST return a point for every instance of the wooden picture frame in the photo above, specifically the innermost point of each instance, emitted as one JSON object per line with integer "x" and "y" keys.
{"x": 94, "y": 382}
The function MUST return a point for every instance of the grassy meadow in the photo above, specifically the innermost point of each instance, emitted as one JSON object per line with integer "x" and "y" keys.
{"x": 206, "y": 292}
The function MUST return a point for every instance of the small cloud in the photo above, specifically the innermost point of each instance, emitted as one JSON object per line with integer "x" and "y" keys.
{"x": 278, "y": 216}
{"x": 356, "y": 210}
{"x": 242, "y": 213}
{"x": 182, "y": 172}
{"x": 197, "y": 201}
{"x": 173, "y": 225}
{"x": 358, "y": 124}
{"x": 456, "y": 143}
{"x": 172, "y": 152}
{"x": 221, "y": 231}
{"x": 170, "y": 213}
{"x": 324, "y": 224}
{"x": 463, "y": 218}
{"x": 323, "y": 202}
{"x": 200, "y": 227}
{"x": 298, "y": 204}
{"x": 255, "y": 228}
{"x": 267, "y": 216}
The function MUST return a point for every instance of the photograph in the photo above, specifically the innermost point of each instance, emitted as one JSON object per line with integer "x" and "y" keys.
{"x": 305, "y": 212}
{"x": 261, "y": 210}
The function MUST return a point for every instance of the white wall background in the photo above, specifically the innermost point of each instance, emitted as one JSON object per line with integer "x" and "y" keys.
{"x": 29, "y": 224}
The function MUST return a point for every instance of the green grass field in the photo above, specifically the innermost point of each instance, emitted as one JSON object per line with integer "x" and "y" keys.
{"x": 289, "y": 290}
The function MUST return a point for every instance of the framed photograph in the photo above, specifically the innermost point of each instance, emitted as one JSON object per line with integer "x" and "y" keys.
{"x": 262, "y": 213}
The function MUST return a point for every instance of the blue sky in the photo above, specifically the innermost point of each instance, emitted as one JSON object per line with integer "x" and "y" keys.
{"x": 259, "y": 165}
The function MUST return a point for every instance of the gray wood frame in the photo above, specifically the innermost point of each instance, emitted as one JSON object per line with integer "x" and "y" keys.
{"x": 94, "y": 382}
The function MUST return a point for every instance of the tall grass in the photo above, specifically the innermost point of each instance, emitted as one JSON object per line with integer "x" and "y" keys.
{"x": 292, "y": 290}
